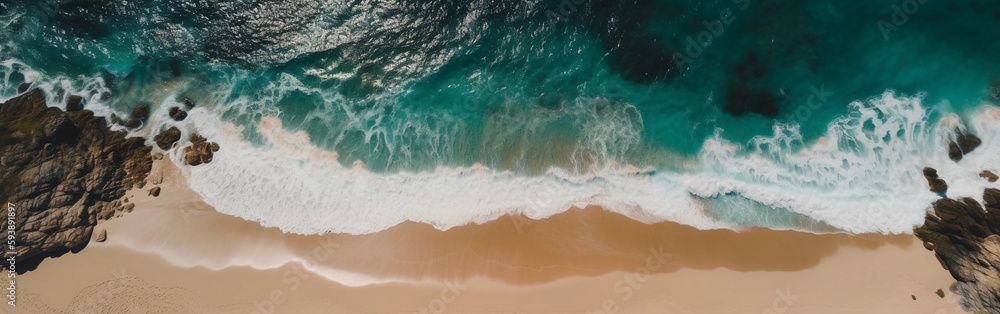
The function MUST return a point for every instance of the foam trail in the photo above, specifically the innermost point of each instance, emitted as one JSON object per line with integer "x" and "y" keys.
{"x": 301, "y": 189}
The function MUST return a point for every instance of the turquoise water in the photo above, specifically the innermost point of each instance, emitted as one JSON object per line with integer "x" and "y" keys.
{"x": 525, "y": 87}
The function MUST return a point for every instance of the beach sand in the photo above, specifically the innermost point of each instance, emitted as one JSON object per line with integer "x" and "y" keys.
{"x": 175, "y": 253}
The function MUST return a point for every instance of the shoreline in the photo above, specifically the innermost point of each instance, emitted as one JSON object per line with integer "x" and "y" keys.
{"x": 174, "y": 248}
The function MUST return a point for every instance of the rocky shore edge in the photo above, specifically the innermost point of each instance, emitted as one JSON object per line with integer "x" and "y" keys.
{"x": 965, "y": 235}
{"x": 63, "y": 171}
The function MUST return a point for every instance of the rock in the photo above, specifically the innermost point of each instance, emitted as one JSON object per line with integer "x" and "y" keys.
{"x": 966, "y": 143}
{"x": 178, "y": 114}
{"x": 187, "y": 102}
{"x": 914, "y": 297}
{"x": 989, "y": 176}
{"x": 58, "y": 128}
{"x": 965, "y": 238}
{"x": 167, "y": 138}
{"x": 23, "y": 87}
{"x": 74, "y": 103}
{"x": 936, "y": 184}
{"x": 200, "y": 151}
{"x": 138, "y": 116}
{"x": 155, "y": 191}
{"x": 102, "y": 236}
{"x": 65, "y": 171}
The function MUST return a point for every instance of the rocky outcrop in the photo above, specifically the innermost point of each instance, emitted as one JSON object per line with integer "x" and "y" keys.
{"x": 963, "y": 144}
{"x": 177, "y": 114}
{"x": 965, "y": 237}
{"x": 63, "y": 171}
{"x": 200, "y": 151}
{"x": 167, "y": 138}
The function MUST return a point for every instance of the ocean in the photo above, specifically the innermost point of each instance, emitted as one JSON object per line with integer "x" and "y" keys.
{"x": 354, "y": 116}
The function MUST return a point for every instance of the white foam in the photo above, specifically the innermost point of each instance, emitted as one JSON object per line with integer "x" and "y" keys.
{"x": 865, "y": 177}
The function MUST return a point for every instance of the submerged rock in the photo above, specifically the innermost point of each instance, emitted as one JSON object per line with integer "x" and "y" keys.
{"x": 187, "y": 102}
{"x": 63, "y": 171}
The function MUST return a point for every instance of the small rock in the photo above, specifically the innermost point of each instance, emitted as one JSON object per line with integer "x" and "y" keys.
{"x": 187, "y": 102}
{"x": 177, "y": 114}
{"x": 74, "y": 103}
{"x": 125, "y": 200}
{"x": 155, "y": 191}
{"x": 139, "y": 115}
{"x": 989, "y": 176}
{"x": 167, "y": 138}
{"x": 966, "y": 143}
{"x": 914, "y": 297}
{"x": 102, "y": 236}
{"x": 201, "y": 150}
{"x": 940, "y": 293}
{"x": 936, "y": 184}
{"x": 23, "y": 87}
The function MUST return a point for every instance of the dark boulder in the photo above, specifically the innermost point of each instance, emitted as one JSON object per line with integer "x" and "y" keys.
{"x": 58, "y": 128}
{"x": 138, "y": 116}
{"x": 74, "y": 103}
{"x": 963, "y": 144}
{"x": 200, "y": 151}
{"x": 178, "y": 114}
{"x": 936, "y": 184}
{"x": 23, "y": 87}
{"x": 167, "y": 138}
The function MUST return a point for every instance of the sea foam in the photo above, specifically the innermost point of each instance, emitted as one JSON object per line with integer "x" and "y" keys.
{"x": 864, "y": 175}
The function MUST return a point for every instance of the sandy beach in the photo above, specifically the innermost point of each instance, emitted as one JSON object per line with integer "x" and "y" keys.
{"x": 175, "y": 253}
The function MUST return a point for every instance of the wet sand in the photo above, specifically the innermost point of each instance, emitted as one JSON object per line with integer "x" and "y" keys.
{"x": 177, "y": 254}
